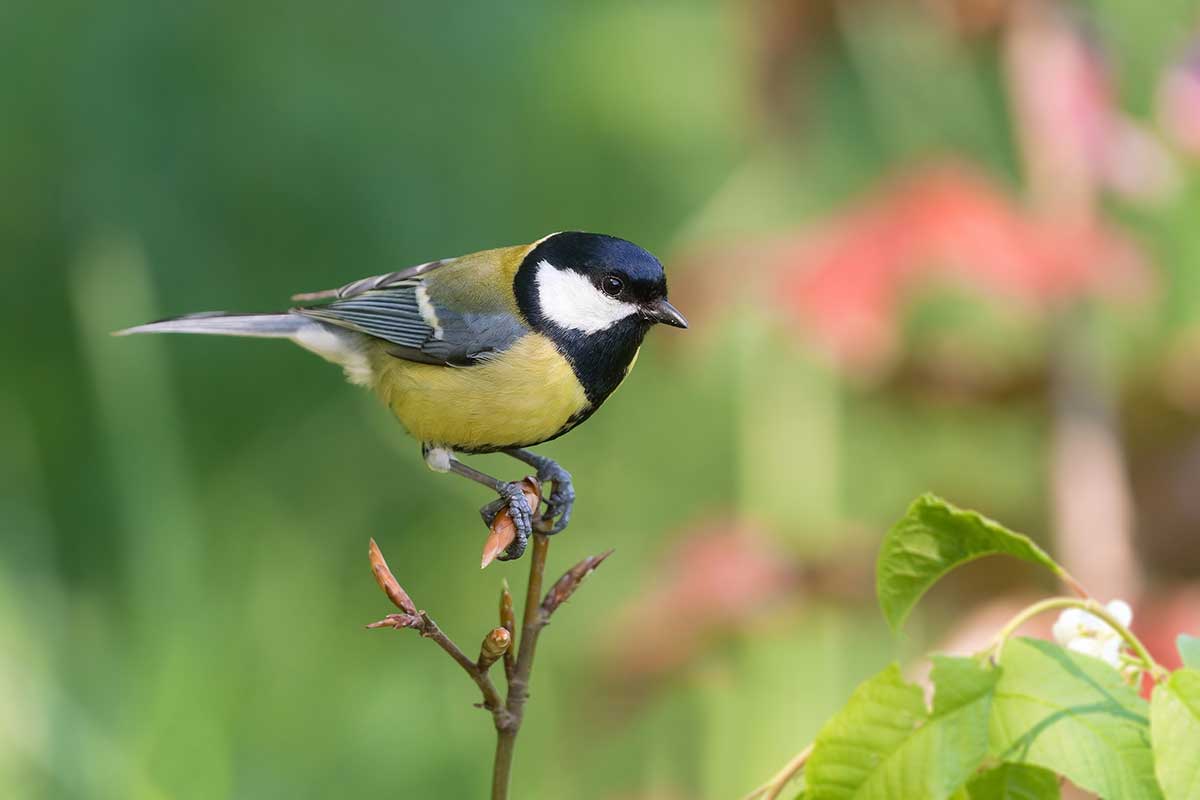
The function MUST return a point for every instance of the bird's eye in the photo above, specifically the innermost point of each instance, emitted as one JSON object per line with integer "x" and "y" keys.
{"x": 612, "y": 285}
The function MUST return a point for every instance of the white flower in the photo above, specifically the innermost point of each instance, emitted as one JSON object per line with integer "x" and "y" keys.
{"x": 1086, "y": 633}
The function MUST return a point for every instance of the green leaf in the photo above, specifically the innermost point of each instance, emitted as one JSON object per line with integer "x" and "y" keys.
{"x": 1014, "y": 782}
{"x": 881, "y": 714}
{"x": 933, "y": 538}
{"x": 1189, "y": 650}
{"x": 1175, "y": 731}
{"x": 885, "y": 744}
{"x": 957, "y": 731}
{"x": 1074, "y": 715}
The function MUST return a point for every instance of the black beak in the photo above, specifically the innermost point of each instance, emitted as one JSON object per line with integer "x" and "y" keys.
{"x": 662, "y": 311}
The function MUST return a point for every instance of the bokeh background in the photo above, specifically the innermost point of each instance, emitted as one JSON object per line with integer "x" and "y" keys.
{"x": 942, "y": 245}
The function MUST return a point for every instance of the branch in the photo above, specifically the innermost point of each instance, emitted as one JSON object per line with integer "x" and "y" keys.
{"x": 507, "y": 714}
{"x": 537, "y": 614}
{"x": 491, "y": 698}
{"x": 538, "y": 611}
{"x": 565, "y": 586}
{"x": 424, "y": 624}
{"x": 518, "y": 682}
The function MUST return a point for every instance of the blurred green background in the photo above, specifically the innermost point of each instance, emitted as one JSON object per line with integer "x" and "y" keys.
{"x": 183, "y": 521}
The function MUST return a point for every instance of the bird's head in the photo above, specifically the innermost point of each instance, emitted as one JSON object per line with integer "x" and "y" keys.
{"x": 585, "y": 283}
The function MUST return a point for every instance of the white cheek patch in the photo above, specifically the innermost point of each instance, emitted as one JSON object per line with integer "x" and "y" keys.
{"x": 569, "y": 299}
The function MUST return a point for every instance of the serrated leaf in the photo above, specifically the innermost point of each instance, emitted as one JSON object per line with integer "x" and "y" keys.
{"x": 1074, "y": 715}
{"x": 1014, "y": 782}
{"x": 1175, "y": 732}
{"x": 933, "y": 538}
{"x": 885, "y": 744}
{"x": 1189, "y": 650}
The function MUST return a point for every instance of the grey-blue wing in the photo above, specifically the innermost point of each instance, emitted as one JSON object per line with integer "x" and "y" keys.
{"x": 387, "y": 280}
{"x": 418, "y": 328}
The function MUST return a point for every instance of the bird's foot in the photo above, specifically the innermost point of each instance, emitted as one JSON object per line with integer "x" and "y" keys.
{"x": 562, "y": 497}
{"x": 511, "y": 498}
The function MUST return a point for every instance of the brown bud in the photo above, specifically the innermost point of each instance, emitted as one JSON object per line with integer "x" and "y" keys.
{"x": 565, "y": 586}
{"x": 508, "y": 621}
{"x": 398, "y": 621}
{"x": 502, "y": 530}
{"x": 391, "y": 587}
{"x": 494, "y": 645}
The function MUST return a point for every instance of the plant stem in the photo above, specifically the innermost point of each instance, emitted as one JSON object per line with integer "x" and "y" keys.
{"x": 1092, "y": 607}
{"x": 506, "y": 739}
{"x": 508, "y": 725}
{"x": 1074, "y": 585}
{"x": 771, "y": 789}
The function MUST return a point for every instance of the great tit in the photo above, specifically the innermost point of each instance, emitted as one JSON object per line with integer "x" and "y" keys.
{"x": 490, "y": 352}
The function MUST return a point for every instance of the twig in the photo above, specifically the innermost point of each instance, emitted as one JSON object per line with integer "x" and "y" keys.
{"x": 518, "y": 684}
{"x": 507, "y": 714}
{"x": 565, "y": 586}
{"x": 537, "y": 615}
{"x": 491, "y": 698}
{"x": 424, "y": 624}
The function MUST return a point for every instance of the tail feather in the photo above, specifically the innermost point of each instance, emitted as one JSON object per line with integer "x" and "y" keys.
{"x": 343, "y": 347}
{"x": 221, "y": 323}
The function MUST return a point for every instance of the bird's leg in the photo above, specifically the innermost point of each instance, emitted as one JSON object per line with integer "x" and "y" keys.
{"x": 511, "y": 497}
{"x": 562, "y": 492}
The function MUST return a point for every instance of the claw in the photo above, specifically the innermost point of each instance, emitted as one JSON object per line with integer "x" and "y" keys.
{"x": 513, "y": 499}
{"x": 562, "y": 496}
{"x": 516, "y": 549}
{"x": 488, "y": 512}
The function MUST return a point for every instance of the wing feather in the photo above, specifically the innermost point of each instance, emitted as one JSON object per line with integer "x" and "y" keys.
{"x": 384, "y": 281}
{"x": 398, "y": 308}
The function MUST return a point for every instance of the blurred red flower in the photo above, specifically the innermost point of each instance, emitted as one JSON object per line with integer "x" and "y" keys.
{"x": 846, "y": 280}
{"x": 709, "y": 583}
{"x": 1179, "y": 100}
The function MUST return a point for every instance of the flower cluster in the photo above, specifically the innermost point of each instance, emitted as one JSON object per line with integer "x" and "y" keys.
{"x": 1086, "y": 633}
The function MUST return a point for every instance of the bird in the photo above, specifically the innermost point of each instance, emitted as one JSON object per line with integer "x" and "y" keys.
{"x": 495, "y": 351}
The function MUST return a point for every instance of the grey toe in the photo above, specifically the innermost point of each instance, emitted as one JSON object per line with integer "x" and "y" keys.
{"x": 512, "y": 498}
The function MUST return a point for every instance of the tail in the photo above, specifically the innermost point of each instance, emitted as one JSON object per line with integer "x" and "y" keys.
{"x": 271, "y": 326}
{"x": 343, "y": 347}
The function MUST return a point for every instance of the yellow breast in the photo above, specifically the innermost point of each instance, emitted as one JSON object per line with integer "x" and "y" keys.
{"x": 521, "y": 398}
